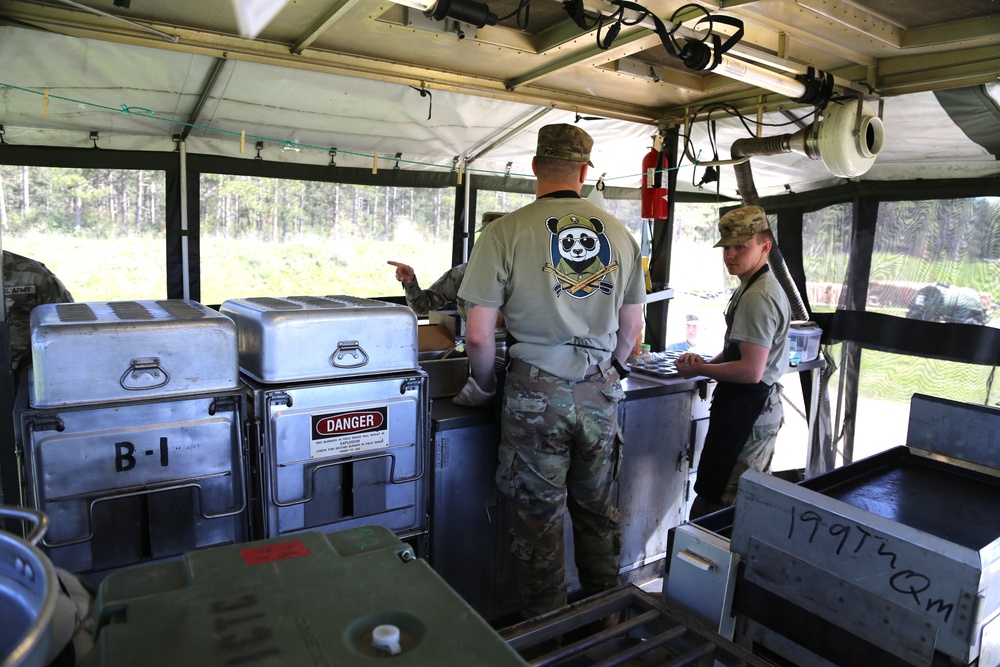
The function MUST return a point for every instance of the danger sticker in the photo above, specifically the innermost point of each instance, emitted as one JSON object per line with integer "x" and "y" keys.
{"x": 272, "y": 552}
{"x": 349, "y": 432}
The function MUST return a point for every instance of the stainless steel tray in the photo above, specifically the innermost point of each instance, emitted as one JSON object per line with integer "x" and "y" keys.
{"x": 301, "y": 338}
{"x": 915, "y": 538}
{"x": 100, "y": 352}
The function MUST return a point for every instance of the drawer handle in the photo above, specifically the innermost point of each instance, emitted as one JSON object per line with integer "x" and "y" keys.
{"x": 696, "y": 560}
{"x": 144, "y": 374}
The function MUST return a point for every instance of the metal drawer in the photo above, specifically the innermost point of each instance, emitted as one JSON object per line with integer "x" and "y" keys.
{"x": 135, "y": 482}
{"x": 339, "y": 454}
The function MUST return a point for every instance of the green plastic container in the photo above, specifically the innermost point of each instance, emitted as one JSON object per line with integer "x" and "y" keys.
{"x": 307, "y": 599}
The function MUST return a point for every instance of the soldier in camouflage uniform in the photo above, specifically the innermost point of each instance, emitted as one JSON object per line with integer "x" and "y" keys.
{"x": 26, "y": 284}
{"x": 443, "y": 291}
{"x": 567, "y": 277}
{"x": 437, "y": 296}
{"x": 746, "y": 406}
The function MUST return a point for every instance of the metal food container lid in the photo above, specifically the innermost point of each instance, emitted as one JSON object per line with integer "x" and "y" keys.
{"x": 299, "y": 338}
{"x": 95, "y": 352}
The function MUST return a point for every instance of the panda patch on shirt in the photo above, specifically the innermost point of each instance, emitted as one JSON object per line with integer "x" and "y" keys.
{"x": 580, "y": 255}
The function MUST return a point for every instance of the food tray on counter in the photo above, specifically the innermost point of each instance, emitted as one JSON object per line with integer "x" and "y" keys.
{"x": 661, "y": 365}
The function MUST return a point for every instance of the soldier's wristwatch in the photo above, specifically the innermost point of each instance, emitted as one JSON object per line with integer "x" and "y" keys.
{"x": 623, "y": 372}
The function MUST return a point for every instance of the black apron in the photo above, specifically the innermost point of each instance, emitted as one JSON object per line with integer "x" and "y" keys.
{"x": 735, "y": 408}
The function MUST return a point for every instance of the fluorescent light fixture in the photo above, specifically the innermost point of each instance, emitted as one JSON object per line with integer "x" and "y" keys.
{"x": 466, "y": 11}
{"x": 761, "y": 77}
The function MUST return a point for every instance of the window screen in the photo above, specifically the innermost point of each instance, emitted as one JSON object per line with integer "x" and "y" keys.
{"x": 932, "y": 260}
{"x": 101, "y": 231}
{"x": 826, "y": 247}
{"x": 280, "y": 237}
{"x": 938, "y": 260}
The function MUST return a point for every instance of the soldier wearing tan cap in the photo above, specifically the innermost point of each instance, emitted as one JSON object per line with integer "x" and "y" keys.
{"x": 567, "y": 277}
{"x": 746, "y": 408}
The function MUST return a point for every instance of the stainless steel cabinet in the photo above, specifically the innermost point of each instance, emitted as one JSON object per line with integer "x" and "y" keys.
{"x": 651, "y": 486}
{"x": 469, "y": 523}
{"x": 339, "y": 454}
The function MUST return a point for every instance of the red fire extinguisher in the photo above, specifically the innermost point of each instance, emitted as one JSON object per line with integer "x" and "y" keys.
{"x": 654, "y": 181}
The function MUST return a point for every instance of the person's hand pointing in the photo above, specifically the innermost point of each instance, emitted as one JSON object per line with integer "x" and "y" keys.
{"x": 404, "y": 272}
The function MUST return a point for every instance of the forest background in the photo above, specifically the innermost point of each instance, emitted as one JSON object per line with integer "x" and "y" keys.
{"x": 102, "y": 232}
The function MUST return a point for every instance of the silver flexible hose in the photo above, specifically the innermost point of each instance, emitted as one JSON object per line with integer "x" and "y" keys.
{"x": 749, "y": 197}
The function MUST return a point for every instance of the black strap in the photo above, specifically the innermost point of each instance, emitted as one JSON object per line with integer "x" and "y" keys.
{"x": 696, "y": 54}
{"x": 818, "y": 87}
{"x": 731, "y": 352}
{"x": 965, "y": 343}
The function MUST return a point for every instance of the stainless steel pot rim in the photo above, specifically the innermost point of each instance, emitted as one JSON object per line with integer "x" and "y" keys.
{"x": 24, "y": 561}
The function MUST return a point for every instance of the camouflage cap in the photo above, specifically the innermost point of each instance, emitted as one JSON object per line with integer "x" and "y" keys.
{"x": 565, "y": 142}
{"x": 741, "y": 224}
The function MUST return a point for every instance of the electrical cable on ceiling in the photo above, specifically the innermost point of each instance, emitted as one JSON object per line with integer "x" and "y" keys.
{"x": 522, "y": 14}
{"x": 703, "y": 51}
{"x": 711, "y": 172}
{"x": 733, "y": 111}
{"x": 711, "y": 175}
{"x": 424, "y": 92}
{"x": 696, "y": 54}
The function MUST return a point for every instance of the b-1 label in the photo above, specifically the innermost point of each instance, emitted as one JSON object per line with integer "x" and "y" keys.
{"x": 125, "y": 455}
{"x": 85, "y": 462}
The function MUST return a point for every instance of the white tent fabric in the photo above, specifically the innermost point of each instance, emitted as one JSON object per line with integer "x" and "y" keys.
{"x": 137, "y": 98}
{"x": 921, "y": 141}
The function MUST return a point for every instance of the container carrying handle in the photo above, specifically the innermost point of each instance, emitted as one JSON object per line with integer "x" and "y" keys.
{"x": 348, "y": 354}
{"x": 145, "y": 373}
{"x": 40, "y": 520}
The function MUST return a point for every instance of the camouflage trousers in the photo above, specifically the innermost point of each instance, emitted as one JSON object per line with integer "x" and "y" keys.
{"x": 756, "y": 454}
{"x": 560, "y": 449}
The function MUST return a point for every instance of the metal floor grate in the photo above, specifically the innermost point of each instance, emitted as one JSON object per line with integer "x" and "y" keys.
{"x": 623, "y": 626}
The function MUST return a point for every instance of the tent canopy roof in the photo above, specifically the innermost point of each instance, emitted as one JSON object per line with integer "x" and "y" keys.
{"x": 369, "y": 77}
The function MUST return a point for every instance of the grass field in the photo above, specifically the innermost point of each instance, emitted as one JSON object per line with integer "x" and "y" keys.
{"x": 134, "y": 268}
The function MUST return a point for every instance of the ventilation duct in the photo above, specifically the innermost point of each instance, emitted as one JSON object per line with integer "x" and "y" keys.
{"x": 847, "y": 138}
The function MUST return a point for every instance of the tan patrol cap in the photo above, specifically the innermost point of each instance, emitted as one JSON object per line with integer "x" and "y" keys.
{"x": 741, "y": 224}
{"x": 565, "y": 142}
{"x": 488, "y": 218}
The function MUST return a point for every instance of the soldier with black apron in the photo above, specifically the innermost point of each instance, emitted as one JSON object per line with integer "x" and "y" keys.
{"x": 746, "y": 406}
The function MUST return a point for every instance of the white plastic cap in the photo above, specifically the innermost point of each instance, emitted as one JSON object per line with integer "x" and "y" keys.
{"x": 386, "y": 638}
